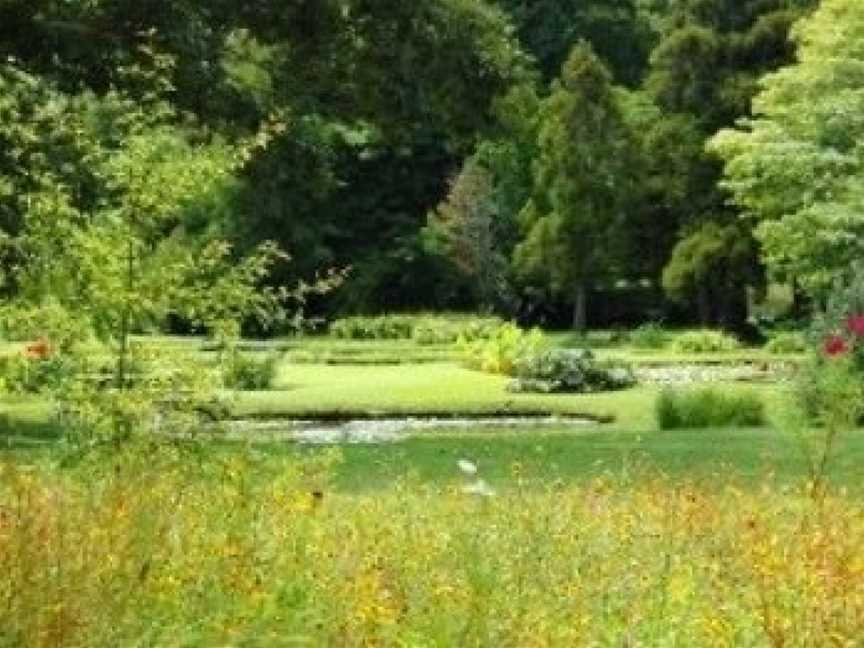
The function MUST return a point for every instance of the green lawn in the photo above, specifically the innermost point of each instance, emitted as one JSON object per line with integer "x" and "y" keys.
{"x": 304, "y": 390}
{"x": 309, "y": 390}
{"x": 433, "y": 388}
{"x": 542, "y": 459}
{"x": 628, "y": 439}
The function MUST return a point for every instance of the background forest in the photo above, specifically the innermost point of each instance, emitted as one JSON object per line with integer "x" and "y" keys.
{"x": 542, "y": 159}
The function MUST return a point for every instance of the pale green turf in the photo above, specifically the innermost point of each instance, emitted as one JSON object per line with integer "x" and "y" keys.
{"x": 439, "y": 388}
{"x": 431, "y": 387}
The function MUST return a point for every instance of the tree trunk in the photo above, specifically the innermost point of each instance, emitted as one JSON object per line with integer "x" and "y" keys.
{"x": 580, "y": 308}
{"x": 802, "y": 306}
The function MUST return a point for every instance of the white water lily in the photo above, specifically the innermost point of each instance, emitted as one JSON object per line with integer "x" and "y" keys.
{"x": 468, "y": 468}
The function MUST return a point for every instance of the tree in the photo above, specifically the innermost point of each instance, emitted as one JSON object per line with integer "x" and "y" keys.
{"x": 477, "y": 226}
{"x": 548, "y": 29}
{"x": 463, "y": 228}
{"x": 104, "y": 231}
{"x": 796, "y": 166}
{"x": 581, "y": 179}
{"x": 703, "y": 74}
{"x": 386, "y": 99}
{"x": 704, "y": 265}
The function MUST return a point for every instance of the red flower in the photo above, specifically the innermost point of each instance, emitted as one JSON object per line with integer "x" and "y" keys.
{"x": 39, "y": 350}
{"x": 855, "y": 325}
{"x": 835, "y": 345}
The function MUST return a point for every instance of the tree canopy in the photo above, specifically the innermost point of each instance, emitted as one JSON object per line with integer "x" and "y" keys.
{"x": 543, "y": 133}
{"x": 580, "y": 179}
{"x": 796, "y": 165}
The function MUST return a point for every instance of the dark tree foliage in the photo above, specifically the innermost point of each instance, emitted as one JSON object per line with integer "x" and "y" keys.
{"x": 618, "y": 31}
{"x": 581, "y": 180}
{"x": 703, "y": 75}
{"x": 385, "y": 100}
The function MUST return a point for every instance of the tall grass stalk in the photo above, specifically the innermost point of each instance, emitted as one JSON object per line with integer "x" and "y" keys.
{"x": 163, "y": 547}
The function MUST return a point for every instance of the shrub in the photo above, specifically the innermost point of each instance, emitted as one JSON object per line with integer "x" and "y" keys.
{"x": 830, "y": 391}
{"x": 651, "y": 335}
{"x": 49, "y": 322}
{"x": 437, "y": 329}
{"x": 247, "y": 372}
{"x": 383, "y": 327}
{"x": 708, "y": 407}
{"x": 503, "y": 350}
{"x": 447, "y": 330}
{"x": 45, "y": 367}
{"x": 432, "y": 332}
{"x": 569, "y": 370}
{"x": 705, "y": 341}
{"x": 830, "y": 387}
{"x": 787, "y": 343}
{"x": 30, "y": 374}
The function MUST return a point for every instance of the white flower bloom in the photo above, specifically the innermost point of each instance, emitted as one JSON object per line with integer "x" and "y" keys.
{"x": 467, "y": 467}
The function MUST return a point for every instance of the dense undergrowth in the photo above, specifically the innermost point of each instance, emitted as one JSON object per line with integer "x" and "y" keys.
{"x": 167, "y": 547}
{"x": 706, "y": 407}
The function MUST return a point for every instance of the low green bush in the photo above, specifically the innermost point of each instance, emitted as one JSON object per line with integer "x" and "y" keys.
{"x": 247, "y": 372}
{"x": 650, "y": 335}
{"x": 708, "y": 407}
{"x": 705, "y": 341}
{"x": 830, "y": 390}
{"x": 783, "y": 343}
{"x": 447, "y": 330}
{"x": 382, "y": 327}
{"x": 422, "y": 329}
{"x": 501, "y": 352}
{"x": 61, "y": 328}
{"x": 570, "y": 370}
{"x": 23, "y": 374}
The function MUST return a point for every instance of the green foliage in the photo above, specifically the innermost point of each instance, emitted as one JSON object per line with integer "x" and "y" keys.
{"x": 466, "y": 229}
{"x": 23, "y": 374}
{"x": 826, "y": 390}
{"x": 711, "y": 259}
{"x": 382, "y": 327}
{"x": 503, "y": 351}
{"x": 795, "y": 165}
{"x": 171, "y": 530}
{"x": 548, "y": 29}
{"x": 830, "y": 386}
{"x": 115, "y": 250}
{"x": 580, "y": 180}
{"x": 382, "y": 102}
{"x": 422, "y": 329}
{"x": 705, "y": 341}
{"x": 249, "y": 372}
{"x": 703, "y": 73}
{"x": 49, "y": 321}
{"x": 787, "y": 342}
{"x": 166, "y": 393}
{"x": 651, "y": 335}
{"x": 708, "y": 407}
{"x": 442, "y": 330}
{"x": 570, "y": 371}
